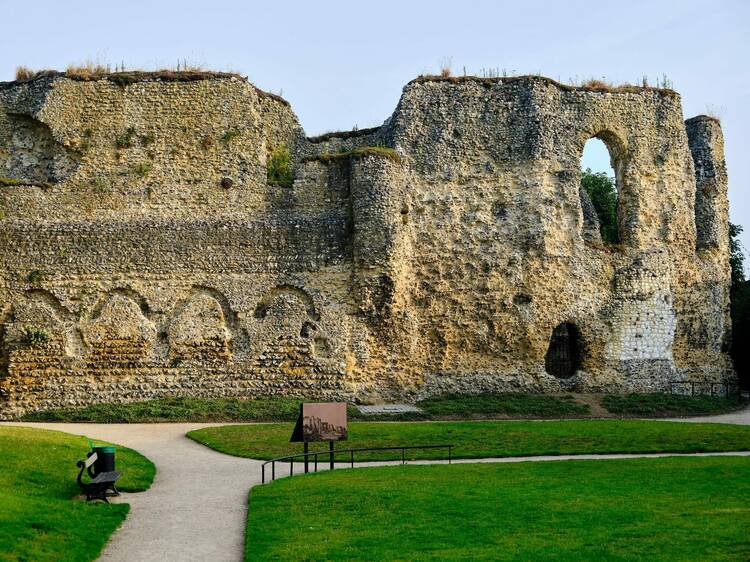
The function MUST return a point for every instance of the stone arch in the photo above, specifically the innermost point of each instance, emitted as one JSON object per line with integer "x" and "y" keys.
{"x": 34, "y": 155}
{"x": 564, "y": 353}
{"x": 39, "y": 311}
{"x": 596, "y": 226}
{"x": 49, "y": 299}
{"x": 289, "y": 325}
{"x": 125, "y": 292}
{"x": 119, "y": 327}
{"x": 261, "y": 310}
{"x": 203, "y": 326}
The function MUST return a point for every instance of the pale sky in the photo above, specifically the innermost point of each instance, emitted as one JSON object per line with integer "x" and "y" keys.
{"x": 342, "y": 64}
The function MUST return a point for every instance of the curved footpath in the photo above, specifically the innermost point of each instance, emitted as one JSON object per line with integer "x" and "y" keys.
{"x": 196, "y": 507}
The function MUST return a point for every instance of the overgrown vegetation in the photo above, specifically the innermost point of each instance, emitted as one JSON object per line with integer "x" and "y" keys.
{"x": 178, "y": 409}
{"x": 529, "y": 405}
{"x": 9, "y": 182}
{"x": 100, "y": 184}
{"x": 490, "y": 77}
{"x": 602, "y": 192}
{"x": 92, "y": 70}
{"x": 357, "y": 152}
{"x": 24, "y": 73}
{"x": 39, "y": 520}
{"x": 34, "y": 336}
{"x": 142, "y": 168}
{"x": 477, "y": 439}
{"x": 229, "y": 135}
{"x": 286, "y": 408}
{"x": 125, "y": 140}
{"x": 354, "y": 133}
{"x": 630, "y": 509}
{"x": 36, "y": 276}
{"x": 740, "y": 306}
{"x": 279, "y": 168}
{"x": 669, "y": 404}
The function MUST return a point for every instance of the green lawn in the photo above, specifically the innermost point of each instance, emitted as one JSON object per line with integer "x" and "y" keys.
{"x": 636, "y": 509}
{"x": 176, "y": 409}
{"x": 287, "y": 408}
{"x": 490, "y": 438}
{"x": 669, "y": 404}
{"x": 39, "y": 520}
{"x": 512, "y": 405}
{"x": 450, "y": 406}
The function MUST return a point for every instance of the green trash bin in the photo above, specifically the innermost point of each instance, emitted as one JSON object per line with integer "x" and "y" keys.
{"x": 105, "y": 458}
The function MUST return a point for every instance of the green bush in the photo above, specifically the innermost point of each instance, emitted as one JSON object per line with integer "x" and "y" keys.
{"x": 126, "y": 139}
{"x": 230, "y": 135}
{"x": 34, "y": 337}
{"x": 35, "y": 276}
{"x": 279, "y": 167}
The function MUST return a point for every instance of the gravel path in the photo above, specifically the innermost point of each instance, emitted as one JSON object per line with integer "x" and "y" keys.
{"x": 196, "y": 508}
{"x": 740, "y": 417}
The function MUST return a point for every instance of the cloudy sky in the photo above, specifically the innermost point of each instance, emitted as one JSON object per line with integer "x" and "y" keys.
{"x": 343, "y": 64}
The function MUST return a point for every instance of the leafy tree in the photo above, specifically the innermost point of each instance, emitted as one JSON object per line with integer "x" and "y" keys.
{"x": 603, "y": 194}
{"x": 736, "y": 254}
{"x": 740, "y": 306}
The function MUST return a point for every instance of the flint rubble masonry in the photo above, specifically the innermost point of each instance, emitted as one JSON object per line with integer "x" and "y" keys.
{"x": 436, "y": 253}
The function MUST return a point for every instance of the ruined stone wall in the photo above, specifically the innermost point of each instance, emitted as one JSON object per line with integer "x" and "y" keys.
{"x": 145, "y": 254}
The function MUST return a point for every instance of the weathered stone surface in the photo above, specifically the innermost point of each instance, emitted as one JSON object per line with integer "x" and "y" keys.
{"x": 146, "y": 242}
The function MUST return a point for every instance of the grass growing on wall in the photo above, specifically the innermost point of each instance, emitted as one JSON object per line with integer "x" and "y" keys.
{"x": 358, "y": 152}
{"x": 636, "y": 509}
{"x": 39, "y": 520}
{"x": 279, "y": 168}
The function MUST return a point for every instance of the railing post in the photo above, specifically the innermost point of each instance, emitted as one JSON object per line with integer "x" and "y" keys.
{"x": 273, "y": 471}
{"x": 306, "y": 462}
{"x": 352, "y": 458}
{"x": 263, "y": 474}
{"x": 291, "y": 467}
{"x": 330, "y": 453}
{"x": 316, "y": 462}
{"x": 403, "y": 455}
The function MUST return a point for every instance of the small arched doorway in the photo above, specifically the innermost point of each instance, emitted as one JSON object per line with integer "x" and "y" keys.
{"x": 563, "y": 356}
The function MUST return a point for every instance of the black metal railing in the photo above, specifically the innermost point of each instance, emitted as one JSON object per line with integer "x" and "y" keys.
{"x": 692, "y": 388}
{"x": 331, "y": 454}
{"x": 729, "y": 388}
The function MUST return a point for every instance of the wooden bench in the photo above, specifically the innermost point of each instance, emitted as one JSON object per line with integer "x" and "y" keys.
{"x": 101, "y": 485}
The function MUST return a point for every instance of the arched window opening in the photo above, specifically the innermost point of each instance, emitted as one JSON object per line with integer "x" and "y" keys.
{"x": 563, "y": 356}
{"x": 599, "y": 193}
